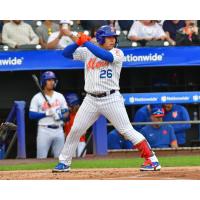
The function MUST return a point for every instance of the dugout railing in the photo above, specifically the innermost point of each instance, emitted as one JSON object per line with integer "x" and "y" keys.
{"x": 16, "y": 115}
{"x": 100, "y": 127}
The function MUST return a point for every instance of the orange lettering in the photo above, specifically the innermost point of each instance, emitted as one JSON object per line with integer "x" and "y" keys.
{"x": 92, "y": 63}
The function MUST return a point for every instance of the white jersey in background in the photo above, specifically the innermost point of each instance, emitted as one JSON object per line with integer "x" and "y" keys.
{"x": 46, "y": 136}
{"x": 100, "y": 75}
{"x": 38, "y": 104}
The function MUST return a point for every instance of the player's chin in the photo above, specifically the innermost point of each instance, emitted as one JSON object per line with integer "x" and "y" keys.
{"x": 111, "y": 46}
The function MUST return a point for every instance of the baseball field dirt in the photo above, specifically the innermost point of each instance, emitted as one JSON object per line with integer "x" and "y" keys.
{"x": 102, "y": 168}
{"x": 167, "y": 173}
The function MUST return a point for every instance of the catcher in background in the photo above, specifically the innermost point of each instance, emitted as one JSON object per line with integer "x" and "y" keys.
{"x": 73, "y": 103}
{"x": 103, "y": 64}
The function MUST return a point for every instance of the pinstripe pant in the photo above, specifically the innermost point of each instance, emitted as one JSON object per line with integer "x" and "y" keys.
{"x": 113, "y": 108}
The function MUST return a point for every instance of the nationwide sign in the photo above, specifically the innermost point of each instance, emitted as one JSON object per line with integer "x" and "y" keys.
{"x": 133, "y": 57}
{"x": 161, "y": 98}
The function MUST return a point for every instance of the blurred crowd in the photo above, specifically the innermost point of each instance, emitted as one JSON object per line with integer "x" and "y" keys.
{"x": 54, "y": 34}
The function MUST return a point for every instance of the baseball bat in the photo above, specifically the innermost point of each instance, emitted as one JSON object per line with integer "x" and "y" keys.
{"x": 40, "y": 89}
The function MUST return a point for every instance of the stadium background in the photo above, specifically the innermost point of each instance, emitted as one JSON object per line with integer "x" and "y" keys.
{"x": 19, "y": 86}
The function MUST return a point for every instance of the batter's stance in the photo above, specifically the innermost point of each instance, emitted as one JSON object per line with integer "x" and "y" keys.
{"x": 103, "y": 65}
{"x": 50, "y": 118}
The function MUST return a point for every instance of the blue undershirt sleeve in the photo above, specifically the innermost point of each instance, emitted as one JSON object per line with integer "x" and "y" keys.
{"x": 69, "y": 50}
{"x": 99, "y": 52}
{"x": 36, "y": 115}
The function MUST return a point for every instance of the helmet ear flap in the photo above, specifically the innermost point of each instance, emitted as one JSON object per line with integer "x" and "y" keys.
{"x": 56, "y": 82}
{"x": 102, "y": 41}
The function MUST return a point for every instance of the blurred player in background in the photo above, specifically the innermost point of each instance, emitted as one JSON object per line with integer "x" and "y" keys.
{"x": 73, "y": 103}
{"x": 159, "y": 135}
{"x": 175, "y": 112}
{"x": 143, "y": 114}
{"x": 50, "y": 119}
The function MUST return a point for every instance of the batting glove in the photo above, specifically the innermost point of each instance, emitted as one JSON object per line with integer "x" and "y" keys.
{"x": 50, "y": 112}
{"x": 82, "y": 39}
{"x": 57, "y": 116}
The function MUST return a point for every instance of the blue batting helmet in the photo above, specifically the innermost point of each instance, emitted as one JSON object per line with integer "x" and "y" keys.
{"x": 105, "y": 31}
{"x": 72, "y": 99}
{"x": 47, "y": 76}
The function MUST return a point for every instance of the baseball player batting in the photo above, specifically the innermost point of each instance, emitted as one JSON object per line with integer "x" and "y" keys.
{"x": 50, "y": 111}
{"x": 103, "y": 65}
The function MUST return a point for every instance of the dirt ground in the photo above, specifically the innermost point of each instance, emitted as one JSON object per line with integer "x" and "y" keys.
{"x": 167, "y": 173}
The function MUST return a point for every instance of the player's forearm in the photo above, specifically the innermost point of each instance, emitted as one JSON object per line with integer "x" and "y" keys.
{"x": 99, "y": 52}
{"x": 69, "y": 50}
{"x": 36, "y": 115}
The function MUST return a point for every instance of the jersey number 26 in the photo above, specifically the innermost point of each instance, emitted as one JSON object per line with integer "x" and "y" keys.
{"x": 106, "y": 73}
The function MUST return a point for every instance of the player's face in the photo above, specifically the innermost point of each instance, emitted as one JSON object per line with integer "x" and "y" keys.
{"x": 109, "y": 43}
{"x": 50, "y": 84}
{"x": 168, "y": 107}
{"x": 156, "y": 119}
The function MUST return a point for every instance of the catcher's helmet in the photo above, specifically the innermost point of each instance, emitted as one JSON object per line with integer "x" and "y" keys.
{"x": 47, "y": 76}
{"x": 105, "y": 31}
{"x": 72, "y": 99}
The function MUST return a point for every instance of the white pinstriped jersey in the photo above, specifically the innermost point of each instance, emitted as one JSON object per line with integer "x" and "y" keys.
{"x": 100, "y": 75}
{"x": 38, "y": 104}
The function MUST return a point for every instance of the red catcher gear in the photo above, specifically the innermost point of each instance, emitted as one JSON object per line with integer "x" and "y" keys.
{"x": 68, "y": 126}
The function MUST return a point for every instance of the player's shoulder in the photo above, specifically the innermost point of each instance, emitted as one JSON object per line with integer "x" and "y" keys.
{"x": 37, "y": 96}
{"x": 143, "y": 109}
{"x": 168, "y": 126}
{"x": 117, "y": 51}
{"x": 58, "y": 94}
{"x": 146, "y": 128}
{"x": 179, "y": 107}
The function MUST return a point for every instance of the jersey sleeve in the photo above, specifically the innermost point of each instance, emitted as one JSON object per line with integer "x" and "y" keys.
{"x": 172, "y": 134}
{"x": 80, "y": 54}
{"x": 34, "y": 104}
{"x": 118, "y": 55}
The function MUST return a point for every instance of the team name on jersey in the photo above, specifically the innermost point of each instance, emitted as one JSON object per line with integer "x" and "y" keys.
{"x": 45, "y": 106}
{"x": 93, "y": 63}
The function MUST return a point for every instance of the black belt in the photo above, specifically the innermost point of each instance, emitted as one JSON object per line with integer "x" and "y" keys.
{"x": 104, "y": 94}
{"x": 53, "y": 126}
